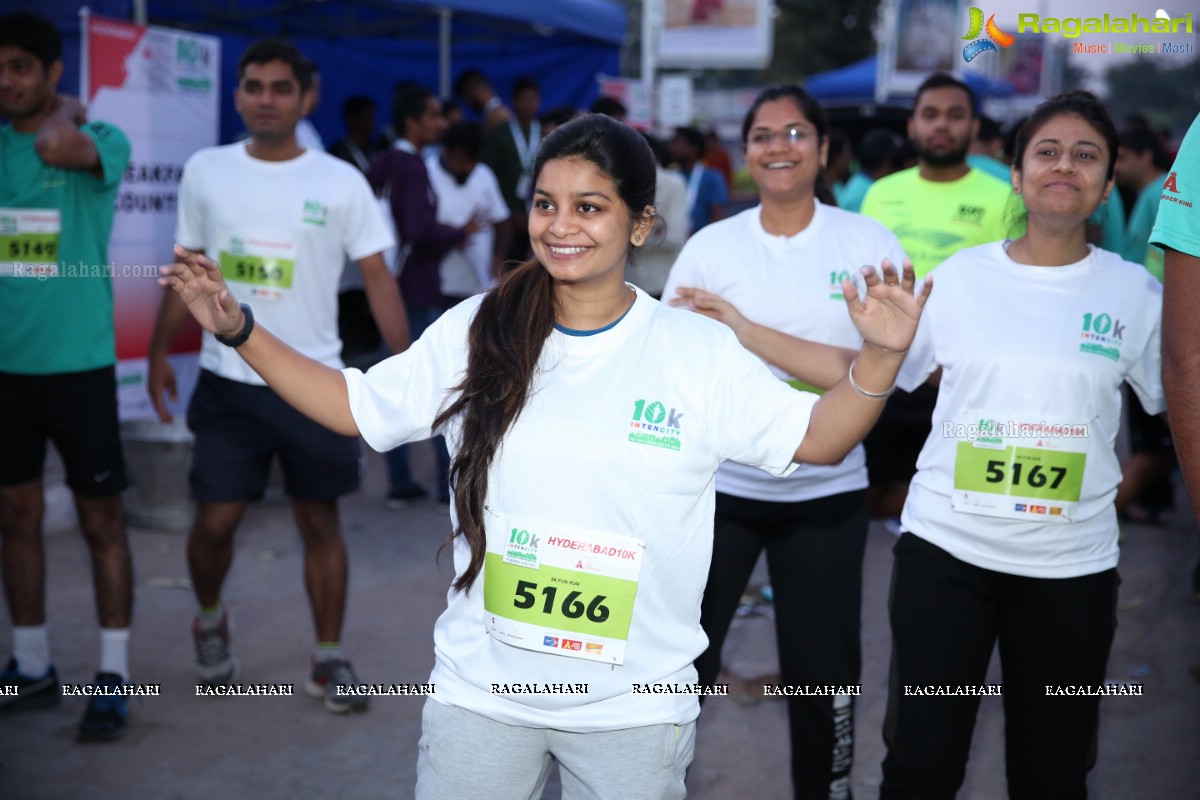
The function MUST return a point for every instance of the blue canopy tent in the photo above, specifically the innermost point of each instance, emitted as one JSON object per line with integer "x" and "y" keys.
{"x": 367, "y": 46}
{"x": 855, "y": 85}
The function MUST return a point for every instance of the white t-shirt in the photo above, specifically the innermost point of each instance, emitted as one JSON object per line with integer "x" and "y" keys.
{"x": 578, "y": 456}
{"x": 1021, "y": 346}
{"x": 468, "y": 270}
{"x": 308, "y": 137}
{"x": 280, "y": 230}
{"x": 792, "y": 284}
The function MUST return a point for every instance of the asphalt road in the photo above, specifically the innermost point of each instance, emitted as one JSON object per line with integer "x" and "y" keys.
{"x": 182, "y": 746}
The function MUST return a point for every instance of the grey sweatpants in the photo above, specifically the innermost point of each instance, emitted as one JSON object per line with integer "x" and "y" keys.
{"x": 463, "y": 755}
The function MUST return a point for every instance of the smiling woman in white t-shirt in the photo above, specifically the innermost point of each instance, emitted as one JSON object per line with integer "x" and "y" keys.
{"x": 584, "y": 446}
{"x": 1011, "y": 535}
{"x": 782, "y": 264}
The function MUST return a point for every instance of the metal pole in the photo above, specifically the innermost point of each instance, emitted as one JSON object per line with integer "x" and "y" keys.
{"x": 84, "y": 76}
{"x": 140, "y": 15}
{"x": 651, "y": 23}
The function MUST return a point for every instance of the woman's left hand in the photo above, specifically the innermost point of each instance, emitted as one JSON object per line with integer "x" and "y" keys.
{"x": 887, "y": 318}
{"x": 710, "y": 305}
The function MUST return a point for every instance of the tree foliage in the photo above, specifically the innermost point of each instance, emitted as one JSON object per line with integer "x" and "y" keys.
{"x": 813, "y": 36}
{"x": 1166, "y": 93}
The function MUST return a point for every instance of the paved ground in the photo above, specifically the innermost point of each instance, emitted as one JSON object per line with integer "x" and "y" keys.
{"x": 181, "y": 746}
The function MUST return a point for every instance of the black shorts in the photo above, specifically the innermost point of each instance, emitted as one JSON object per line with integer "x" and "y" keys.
{"x": 239, "y": 427}
{"x": 896, "y": 440}
{"x": 75, "y": 410}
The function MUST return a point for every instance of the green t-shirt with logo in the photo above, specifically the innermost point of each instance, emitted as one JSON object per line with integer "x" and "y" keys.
{"x": 934, "y": 220}
{"x": 1178, "y": 222}
{"x": 55, "y": 284}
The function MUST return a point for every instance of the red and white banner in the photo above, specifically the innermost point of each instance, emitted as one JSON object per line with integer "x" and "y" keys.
{"x": 160, "y": 87}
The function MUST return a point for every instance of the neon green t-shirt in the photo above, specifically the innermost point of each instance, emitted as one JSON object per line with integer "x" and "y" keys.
{"x": 1178, "y": 223}
{"x": 55, "y": 284}
{"x": 934, "y": 220}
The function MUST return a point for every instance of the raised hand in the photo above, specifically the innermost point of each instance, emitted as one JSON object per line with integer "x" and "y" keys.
{"x": 199, "y": 283}
{"x": 887, "y": 317}
{"x": 710, "y": 305}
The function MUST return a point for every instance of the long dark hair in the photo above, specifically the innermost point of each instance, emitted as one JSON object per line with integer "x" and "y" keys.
{"x": 514, "y": 320}
{"x": 811, "y": 110}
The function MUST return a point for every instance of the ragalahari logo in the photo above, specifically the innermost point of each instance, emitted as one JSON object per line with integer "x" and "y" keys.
{"x": 995, "y": 35}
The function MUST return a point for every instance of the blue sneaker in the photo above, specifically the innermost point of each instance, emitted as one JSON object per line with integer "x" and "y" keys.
{"x": 104, "y": 719}
{"x": 21, "y": 693}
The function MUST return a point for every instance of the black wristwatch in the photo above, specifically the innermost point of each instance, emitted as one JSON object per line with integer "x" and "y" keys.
{"x": 243, "y": 334}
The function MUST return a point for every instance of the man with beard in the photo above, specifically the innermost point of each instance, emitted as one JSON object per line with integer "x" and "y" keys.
{"x": 466, "y": 190}
{"x": 58, "y": 186}
{"x": 943, "y": 204}
{"x": 935, "y": 209}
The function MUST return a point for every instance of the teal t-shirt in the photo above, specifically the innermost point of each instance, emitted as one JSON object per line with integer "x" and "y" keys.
{"x": 1141, "y": 222}
{"x": 55, "y": 278}
{"x": 852, "y": 193}
{"x": 997, "y": 169}
{"x": 935, "y": 219}
{"x": 1111, "y": 218}
{"x": 1178, "y": 223}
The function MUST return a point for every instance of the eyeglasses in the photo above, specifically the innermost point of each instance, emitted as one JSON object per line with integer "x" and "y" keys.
{"x": 789, "y": 136}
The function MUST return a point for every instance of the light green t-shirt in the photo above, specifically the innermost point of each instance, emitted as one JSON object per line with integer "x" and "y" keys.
{"x": 1178, "y": 223}
{"x": 55, "y": 284}
{"x": 934, "y": 220}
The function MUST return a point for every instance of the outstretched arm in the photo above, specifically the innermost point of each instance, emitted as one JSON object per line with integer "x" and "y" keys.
{"x": 887, "y": 321}
{"x": 819, "y": 365}
{"x": 315, "y": 390}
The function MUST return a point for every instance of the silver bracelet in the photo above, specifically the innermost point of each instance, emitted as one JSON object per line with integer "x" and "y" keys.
{"x": 864, "y": 392}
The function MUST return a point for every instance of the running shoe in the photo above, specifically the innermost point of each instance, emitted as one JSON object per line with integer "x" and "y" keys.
{"x": 398, "y": 499}
{"x": 21, "y": 693}
{"x": 104, "y": 719}
{"x": 214, "y": 663}
{"x": 326, "y": 677}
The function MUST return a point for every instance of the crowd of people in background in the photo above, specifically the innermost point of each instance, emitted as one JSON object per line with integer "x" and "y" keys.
{"x": 471, "y": 266}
